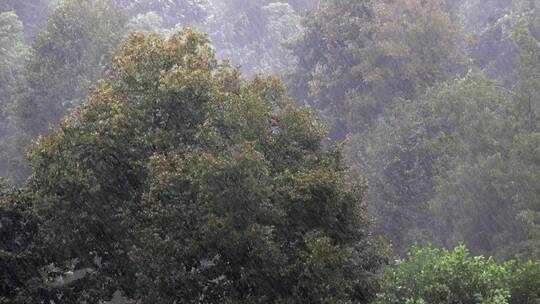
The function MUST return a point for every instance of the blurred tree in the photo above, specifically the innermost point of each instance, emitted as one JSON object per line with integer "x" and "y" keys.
{"x": 496, "y": 194}
{"x": 254, "y": 35}
{"x": 466, "y": 151}
{"x": 173, "y": 12}
{"x": 417, "y": 143}
{"x": 12, "y": 56}
{"x": 33, "y": 13}
{"x": 72, "y": 53}
{"x": 357, "y": 57}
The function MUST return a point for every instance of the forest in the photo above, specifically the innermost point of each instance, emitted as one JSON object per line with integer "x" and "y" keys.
{"x": 270, "y": 151}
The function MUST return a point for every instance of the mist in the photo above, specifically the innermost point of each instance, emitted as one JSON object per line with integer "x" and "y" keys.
{"x": 262, "y": 151}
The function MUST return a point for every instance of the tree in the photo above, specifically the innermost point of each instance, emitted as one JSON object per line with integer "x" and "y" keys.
{"x": 33, "y": 14}
{"x": 412, "y": 150}
{"x": 18, "y": 259}
{"x": 71, "y": 54}
{"x": 178, "y": 180}
{"x": 67, "y": 58}
{"x": 253, "y": 34}
{"x": 429, "y": 275}
{"x": 12, "y": 56}
{"x": 174, "y": 12}
{"x": 495, "y": 191}
{"x": 357, "y": 57}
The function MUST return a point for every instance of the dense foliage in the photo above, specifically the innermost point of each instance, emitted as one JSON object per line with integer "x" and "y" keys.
{"x": 443, "y": 142}
{"x": 434, "y": 276}
{"x": 177, "y": 180}
{"x": 12, "y": 56}
{"x": 157, "y": 173}
{"x": 357, "y": 57}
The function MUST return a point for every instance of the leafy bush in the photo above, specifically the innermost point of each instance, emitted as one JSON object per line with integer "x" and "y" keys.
{"x": 438, "y": 276}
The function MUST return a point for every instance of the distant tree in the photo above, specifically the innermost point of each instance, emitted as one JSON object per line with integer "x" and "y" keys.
{"x": 357, "y": 57}
{"x": 33, "y": 13}
{"x": 70, "y": 55}
{"x": 253, "y": 34}
{"x": 179, "y": 181}
{"x": 12, "y": 56}
{"x": 417, "y": 144}
{"x": 173, "y": 12}
{"x": 495, "y": 191}
{"x": 459, "y": 164}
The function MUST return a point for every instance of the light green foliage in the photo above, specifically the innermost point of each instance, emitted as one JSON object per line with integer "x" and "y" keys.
{"x": 525, "y": 284}
{"x": 177, "y": 180}
{"x": 435, "y": 276}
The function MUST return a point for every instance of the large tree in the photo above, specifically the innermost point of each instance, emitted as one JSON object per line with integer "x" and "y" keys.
{"x": 179, "y": 181}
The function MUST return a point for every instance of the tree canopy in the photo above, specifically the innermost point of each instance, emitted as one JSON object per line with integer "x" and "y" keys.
{"x": 178, "y": 180}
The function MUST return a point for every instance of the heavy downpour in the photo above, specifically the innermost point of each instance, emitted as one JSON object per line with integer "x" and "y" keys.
{"x": 270, "y": 151}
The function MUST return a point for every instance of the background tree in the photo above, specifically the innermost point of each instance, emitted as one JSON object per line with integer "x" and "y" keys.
{"x": 72, "y": 53}
{"x": 33, "y": 13}
{"x": 417, "y": 144}
{"x": 67, "y": 58}
{"x": 12, "y": 55}
{"x": 356, "y": 57}
{"x": 253, "y": 34}
{"x": 174, "y": 13}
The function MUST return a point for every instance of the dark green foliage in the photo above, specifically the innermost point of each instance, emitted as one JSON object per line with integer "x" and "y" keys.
{"x": 177, "y": 180}
{"x": 18, "y": 261}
